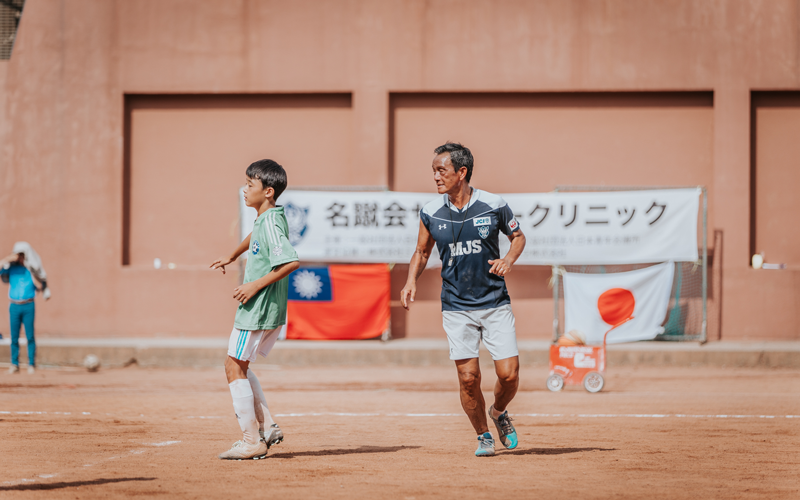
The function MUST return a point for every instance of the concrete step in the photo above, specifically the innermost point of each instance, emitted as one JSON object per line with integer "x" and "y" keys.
{"x": 204, "y": 352}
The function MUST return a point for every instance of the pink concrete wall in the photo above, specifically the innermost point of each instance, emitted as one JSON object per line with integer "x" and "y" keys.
{"x": 534, "y": 142}
{"x": 61, "y": 177}
{"x": 188, "y": 158}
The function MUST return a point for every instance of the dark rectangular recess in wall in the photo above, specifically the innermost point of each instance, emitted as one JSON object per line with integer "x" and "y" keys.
{"x": 763, "y": 99}
{"x": 134, "y": 102}
{"x": 638, "y": 99}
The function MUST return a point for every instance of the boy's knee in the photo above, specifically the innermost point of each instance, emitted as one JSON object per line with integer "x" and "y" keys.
{"x": 235, "y": 369}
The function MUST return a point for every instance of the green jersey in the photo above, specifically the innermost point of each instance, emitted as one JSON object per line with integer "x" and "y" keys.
{"x": 269, "y": 247}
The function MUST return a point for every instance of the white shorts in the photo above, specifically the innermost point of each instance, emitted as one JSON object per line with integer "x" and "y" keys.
{"x": 246, "y": 345}
{"x": 466, "y": 329}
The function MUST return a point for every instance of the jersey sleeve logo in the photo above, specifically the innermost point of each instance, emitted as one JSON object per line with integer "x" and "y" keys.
{"x": 255, "y": 247}
{"x": 277, "y": 250}
{"x": 483, "y": 221}
{"x": 513, "y": 225}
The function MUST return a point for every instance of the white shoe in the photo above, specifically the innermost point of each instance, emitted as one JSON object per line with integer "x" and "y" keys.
{"x": 273, "y": 436}
{"x": 31, "y": 370}
{"x": 13, "y": 369}
{"x": 245, "y": 451}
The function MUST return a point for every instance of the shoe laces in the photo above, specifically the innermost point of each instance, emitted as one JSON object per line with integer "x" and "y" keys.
{"x": 237, "y": 444}
{"x": 505, "y": 424}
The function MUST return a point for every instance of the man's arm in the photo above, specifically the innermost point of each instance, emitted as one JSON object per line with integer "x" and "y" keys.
{"x": 418, "y": 262}
{"x": 8, "y": 260}
{"x": 224, "y": 261}
{"x": 245, "y": 292}
{"x": 501, "y": 267}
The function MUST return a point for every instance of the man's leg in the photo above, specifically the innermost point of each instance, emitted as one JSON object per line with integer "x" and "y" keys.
{"x": 500, "y": 339}
{"x": 505, "y": 388}
{"x": 28, "y": 315}
{"x": 16, "y": 321}
{"x": 469, "y": 379}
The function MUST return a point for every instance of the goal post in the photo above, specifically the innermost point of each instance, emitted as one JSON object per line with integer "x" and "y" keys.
{"x": 687, "y": 313}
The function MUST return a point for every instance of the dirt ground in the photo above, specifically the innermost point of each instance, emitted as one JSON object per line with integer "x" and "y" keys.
{"x": 388, "y": 432}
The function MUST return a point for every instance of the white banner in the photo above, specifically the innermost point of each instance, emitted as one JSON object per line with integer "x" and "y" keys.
{"x": 348, "y": 226}
{"x": 635, "y": 300}
{"x": 611, "y": 227}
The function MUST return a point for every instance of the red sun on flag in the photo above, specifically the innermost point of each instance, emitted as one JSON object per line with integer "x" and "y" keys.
{"x": 616, "y": 306}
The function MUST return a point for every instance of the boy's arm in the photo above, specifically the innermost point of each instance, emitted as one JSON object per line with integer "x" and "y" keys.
{"x": 224, "y": 261}
{"x": 245, "y": 292}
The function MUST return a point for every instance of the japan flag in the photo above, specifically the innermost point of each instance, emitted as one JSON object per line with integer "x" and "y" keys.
{"x": 633, "y": 303}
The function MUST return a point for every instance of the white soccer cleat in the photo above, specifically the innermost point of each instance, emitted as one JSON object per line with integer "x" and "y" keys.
{"x": 31, "y": 370}
{"x": 273, "y": 436}
{"x": 13, "y": 369}
{"x": 245, "y": 451}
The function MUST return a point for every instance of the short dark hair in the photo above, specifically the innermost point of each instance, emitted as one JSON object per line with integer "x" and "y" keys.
{"x": 460, "y": 156}
{"x": 270, "y": 173}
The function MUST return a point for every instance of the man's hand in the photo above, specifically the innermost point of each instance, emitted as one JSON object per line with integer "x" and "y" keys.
{"x": 221, "y": 263}
{"x": 499, "y": 267}
{"x": 407, "y": 294}
{"x": 245, "y": 292}
{"x": 8, "y": 260}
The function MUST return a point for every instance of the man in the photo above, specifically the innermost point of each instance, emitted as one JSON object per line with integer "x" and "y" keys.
{"x": 465, "y": 224}
{"x": 18, "y": 270}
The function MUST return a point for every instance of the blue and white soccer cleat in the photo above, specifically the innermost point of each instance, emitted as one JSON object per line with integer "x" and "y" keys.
{"x": 485, "y": 445}
{"x": 505, "y": 429}
{"x": 272, "y": 436}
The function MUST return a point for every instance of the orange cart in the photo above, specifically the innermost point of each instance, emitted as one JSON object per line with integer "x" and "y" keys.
{"x": 578, "y": 365}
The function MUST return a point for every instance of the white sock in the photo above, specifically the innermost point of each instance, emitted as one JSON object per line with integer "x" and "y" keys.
{"x": 260, "y": 402}
{"x": 245, "y": 412}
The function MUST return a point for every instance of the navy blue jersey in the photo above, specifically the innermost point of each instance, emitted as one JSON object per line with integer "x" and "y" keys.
{"x": 467, "y": 284}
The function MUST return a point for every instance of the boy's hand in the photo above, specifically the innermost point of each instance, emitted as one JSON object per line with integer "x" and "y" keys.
{"x": 221, "y": 263}
{"x": 245, "y": 292}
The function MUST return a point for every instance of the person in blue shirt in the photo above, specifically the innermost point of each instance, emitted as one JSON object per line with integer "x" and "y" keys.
{"x": 465, "y": 225}
{"x": 19, "y": 270}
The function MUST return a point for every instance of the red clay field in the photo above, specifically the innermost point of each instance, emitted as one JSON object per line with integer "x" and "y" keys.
{"x": 389, "y": 432}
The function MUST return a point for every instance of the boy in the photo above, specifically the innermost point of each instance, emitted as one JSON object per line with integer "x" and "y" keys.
{"x": 262, "y": 308}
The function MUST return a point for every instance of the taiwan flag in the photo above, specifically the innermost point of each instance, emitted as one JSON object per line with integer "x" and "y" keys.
{"x": 339, "y": 302}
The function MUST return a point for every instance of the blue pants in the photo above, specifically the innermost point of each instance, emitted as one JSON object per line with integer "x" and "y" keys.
{"x": 22, "y": 314}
